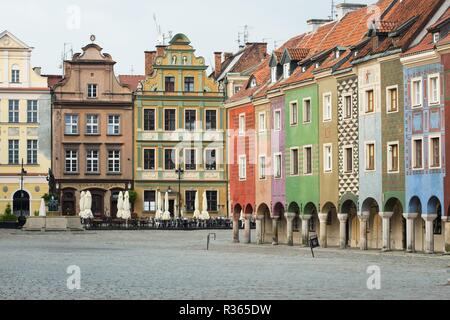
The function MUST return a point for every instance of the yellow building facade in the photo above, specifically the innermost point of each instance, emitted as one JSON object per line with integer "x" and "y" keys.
{"x": 25, "y": 128}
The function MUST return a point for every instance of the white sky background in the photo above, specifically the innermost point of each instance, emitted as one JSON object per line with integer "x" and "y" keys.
{"x": 125, "y": 29}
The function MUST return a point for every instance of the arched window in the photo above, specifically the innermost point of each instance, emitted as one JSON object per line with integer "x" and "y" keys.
{"x": 437, "y": 223}
{"x": 21, "y": 203}
{"x": 15, "y": 74}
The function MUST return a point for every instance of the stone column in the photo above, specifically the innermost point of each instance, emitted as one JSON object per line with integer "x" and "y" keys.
{"x": 305, "y": 229}
{"x": 446, "y": 221}
{"x": 290, "y": 228}
{"x": 248, "y": 228}
{"x": 323, "y": 218}
{"x": 259, "y": 233}
{"x": 410, "y": 231}
{"x": 235, "y": 229}
{"x": 364, "y": 217}
{"x": 275, "y": 222}
{"x": 386, "y": 230}
{"x": 343, "y": 218}
{"x": 429, "y": 232}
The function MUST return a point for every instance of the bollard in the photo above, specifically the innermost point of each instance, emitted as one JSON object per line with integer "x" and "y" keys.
{"x": 208, "y": 240}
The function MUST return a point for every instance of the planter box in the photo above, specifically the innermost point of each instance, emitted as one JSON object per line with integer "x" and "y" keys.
{"x": 9, "y": 225}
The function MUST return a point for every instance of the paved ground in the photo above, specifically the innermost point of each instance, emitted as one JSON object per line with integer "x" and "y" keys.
{"x": 176, "y": 265}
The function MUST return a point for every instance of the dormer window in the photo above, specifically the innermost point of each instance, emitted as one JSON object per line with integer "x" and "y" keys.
{"x": 338, "y": 54}
{"x": 15, "y": 74}
{"x": 317, "y": 65}
{"x": 273, "y": 74}
{"x": 303, "y": 69}
{"x": 436, "y": 37}
{"x": 356, "y": 53}
{"x": 92, "y": 91}
{"x": 286, "y": 71}
{"x": 253, "y": 83}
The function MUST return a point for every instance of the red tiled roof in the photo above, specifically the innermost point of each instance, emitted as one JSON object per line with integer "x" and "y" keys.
{"x": 387, "y": 26}
{"x": 53, "y": 79}
{"x": 445, "y": 17}
{"x": 298, "y": 54}
{"x": 131, "y": 81}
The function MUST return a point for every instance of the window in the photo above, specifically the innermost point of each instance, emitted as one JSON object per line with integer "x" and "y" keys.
{"x": 92, "y": 91}
{"x": 294, "y": 162}
{"x": 348, "y": 107}
{"x": 13, "y": 115}
{"x": 435, "y": 152}
{"x": 242, "y": 167}
{"x": 262, "y": 167}
{"x": 327, "y": 109}
{"x": 212, "y": 201}
{"x": 393, "y": 158}
{"x": 15, "y": 74}
{"x": 434, "y": 90}
{"x": 262, "y": 122}
{"x": 253, "y": 83}
{"x": 328, "y": 158}
{"x": 92, "y": 124}
{"x": 170, "y": 84}
{"x": 189, "y": 120}
{"x": 190, "y": 161}
{"x": 169, "y": 119}
{"x": 190, "y": 200}
{"x": 417, "y": 151}
{"x": 149, "y": 159}
{"x": 71, "y": 163}
{"x": 286, "y": 70}
{"x": 114, "y": 161}
{"x": 113, "y": 125}
{"x": 370, "y": 103}
{"x": 348, "y": 160}
{"x": 308, "y": 161}
{"x": 92, "y": 161}
{"x": 273, "y": 74}
{"x": 189, "y": 84}
{"x": 32, "y": 111}
{"x": 370, "y": 157}
{"x": 294, "y": 113}
{"x": 307, "y": 111}
{"x": 169, "y": 159}
{"x": 71, "y": 124}
{"x": 13, "y": 151}
{"x": 277, "y": 166}
{"x": 211, "y": 160}
{"x": 237, "y": 89}
{"x": 277, "y": 120}
{"x": 392, "y": 100}
{"x": 416, "y": 93}
{"x": 32, "y": 149}
{"x": 242, "y": 124}
{"x": 149, "y": 119}
{"x": 436, "y": 37}
{"x": 149, "y": 201}
{"x": 211, "y": 120}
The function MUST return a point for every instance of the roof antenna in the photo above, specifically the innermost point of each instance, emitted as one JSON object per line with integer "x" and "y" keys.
{"x": 333, "y": 10}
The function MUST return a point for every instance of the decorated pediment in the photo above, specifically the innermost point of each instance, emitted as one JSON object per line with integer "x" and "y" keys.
{"x": 8, "y": 40}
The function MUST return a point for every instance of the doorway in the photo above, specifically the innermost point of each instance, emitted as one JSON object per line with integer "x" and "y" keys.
{"x": 21, "y": 203}
{"x": 172, "y": 208}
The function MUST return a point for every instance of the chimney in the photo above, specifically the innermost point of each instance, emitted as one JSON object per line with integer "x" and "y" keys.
{"x": 218, "y": 64}
{"x": 227, "y": 55}
{"x": 160, "y": 50}
{"x": 344, "y": 8}
{"x": 262, "y": 49}
{"x": 316, "y": 23}
{"x": 149, "y": 60}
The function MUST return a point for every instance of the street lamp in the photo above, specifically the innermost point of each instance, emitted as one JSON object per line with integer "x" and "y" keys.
{"x": 22, "y": 173}
{"x": 179, "y": 172}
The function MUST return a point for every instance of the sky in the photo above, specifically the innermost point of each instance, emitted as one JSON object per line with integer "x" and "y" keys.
{"x": 125, "y": 29}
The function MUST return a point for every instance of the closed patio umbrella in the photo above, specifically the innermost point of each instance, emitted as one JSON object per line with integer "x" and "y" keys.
{"x": 120, "y": 205}
{"x": 205, "y": 213}
{"x": 42, "y": 209}
{"x": 158, "y": 215}
{"x": 126, "y": 213}
{"x": 88, "y": 206}
{"x": 166, "y": 215}
{"x": 82, "y": 204}
{"x": 197, "y": 213}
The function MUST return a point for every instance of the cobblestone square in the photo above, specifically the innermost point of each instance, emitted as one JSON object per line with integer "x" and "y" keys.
{"x": 175, "y": 265}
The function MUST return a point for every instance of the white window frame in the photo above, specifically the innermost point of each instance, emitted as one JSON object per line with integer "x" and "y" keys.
{"x": 389, "y": 155}
{"x": 436, "y": 37}
{"x": 345, "y": 148}
{"x": 344, "y": 105}
{"x": 195, "y": 156}
{"x": 438, "y": 83}
{"x": 275, "y": 156}
{"x": 327, "y": 169}
{"x": 242, "y": 124}
{"x": 273, "y": 74}
{"x": 217, "y": 158}
{"x": 388, "y": 99}
{"x": 114, "y": 125}
{"x": 286, "y": 70}
{"x": 277, "y": 120}
{"x": 262, "y": 125}
{"x": 195, "y": 122}
{"x": 90, "y": 158}
{"x": 430, "y": 151}
{"x": 34, "y": 112}
{"x": 34, "y": 152}
{"x": 15, "y": 74}
{"x": 74, "y": 123}
{"x": 327, "y": 109}
{"x": 305, "y": 161}
{"x": 72, "y": 159}
{"x": 310, "y": 110}
{"x": 292, "y": 162}
{"x": 115, "y": 159}
{"x": 413, "y": 95}
{"x": 242, "y": 170}
{"x": 366, "y": 156}
{"x": 92, "y": 91}
{"x": 291, "y": 112}
{"x": 262, "y": 172}
{"x": 92, "y": 125}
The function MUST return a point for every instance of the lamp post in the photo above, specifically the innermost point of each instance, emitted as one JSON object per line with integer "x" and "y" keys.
{"x": 22, "y": 173}
{"x": 179, "y": 172}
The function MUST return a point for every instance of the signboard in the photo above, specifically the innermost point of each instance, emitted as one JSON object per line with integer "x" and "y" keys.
{"x": 313, "y": 243}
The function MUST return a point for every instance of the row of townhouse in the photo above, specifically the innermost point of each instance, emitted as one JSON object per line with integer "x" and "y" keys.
{"x": 159, "y": 133}
{"x": 342, "y": 132}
